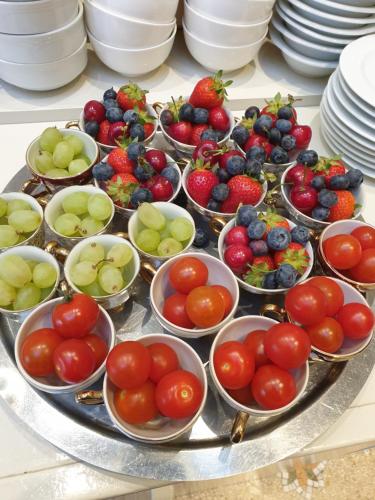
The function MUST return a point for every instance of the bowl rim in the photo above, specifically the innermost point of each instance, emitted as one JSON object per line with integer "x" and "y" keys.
{"x": 329, "y": 15}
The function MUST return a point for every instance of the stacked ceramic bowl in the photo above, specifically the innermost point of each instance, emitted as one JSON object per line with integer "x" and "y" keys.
{"x": 132, "y": 37}
{"x": 312, "y": 33}
{"x": 42, "y": 43}
{"x": 347, "y": 109}
{"x": 221, "y": 35}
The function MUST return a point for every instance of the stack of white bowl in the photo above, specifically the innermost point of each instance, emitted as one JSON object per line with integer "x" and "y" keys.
{"x": 132, "y": 37}
{"x": 42, "y": 43}
{"x": 312, "y": 33}
{"x": 347, "y": 109}
{"x": 223, "y": 34}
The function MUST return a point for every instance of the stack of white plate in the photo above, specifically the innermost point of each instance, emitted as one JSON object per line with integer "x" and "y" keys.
{"x": 312, "y": 33}
{"x": 348, "y": 106}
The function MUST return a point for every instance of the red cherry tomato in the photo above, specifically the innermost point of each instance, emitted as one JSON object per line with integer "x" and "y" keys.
{"x": 179, "y": 394}
{"x": 137, "y": 405}
{"x": 73, "y": 360}
{"x": 342, "y": 251}
{"x": 243, "y": 396}
{"x": 174, "y": 310}
{"x": 273, "y": 387}
{"x": 365, "y": 235}
{"x": 188, "y": 273}
{"x": 37, "y": 352}
{"x": 234, "y": 365}
{"x": 357, "y": 320}
{"x": 327, "y": 335}
{"x": 332, "y": 291}
{"x": 98, "y": 346}
{"x": 254, "y": 343}
{"x": 205, "y": 306}
{"x": 305, "y": 304}
{"x": 287, "y": 345}
{"x": 163, "y": 361}
{"x": 364, "y": 272}
{"x": 226, "y": 296}
{"x": 76, "y": 317}
{"x": 129, "y": 364}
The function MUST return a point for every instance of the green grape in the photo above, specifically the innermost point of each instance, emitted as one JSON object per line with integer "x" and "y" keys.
{"x": 44, "y": 293}
{"x": 169, "y": 247}
{"x": 25, "y": 221}
{"x": 94, "y": 290}
{"x": 100, "y": 206}
{"x": 181, "y": 229}
{"x": 67, "y": 224}
{"x": 63, "y": 154}
{"x": 120, "y": 255}
{"x": 165, "y": 232}
{"x": 90, "y": 226}
{"x": 21, "y": 238}
{"x": 58, "y": 172}
{"x": 28, "y": 296}
{"x": 49, "y": 139}
{"x": 75, "y": 142}
{"x": 8, "y": 236}
{"x": 110, "y": 279}
{"x": 83, "y": 274}
{"x": 148, "y": 240}
{"x": 31, "y": 264}
{"x": 44, "y": 162}
{"x": 7, "y": 294}
{"x": 75, "y": 203}
{"x": 15, "y": 271}
{"x": 3, "y": 207}
{"x": 44, "y": 275}
{"x": 15, "y": 205}
{"x": 4, "y": 221}
{"x": 77, "y": 166}
{"x": 93, "y": 253}
{"x": 83, "y": 157}
{"x": 151, "y": 217}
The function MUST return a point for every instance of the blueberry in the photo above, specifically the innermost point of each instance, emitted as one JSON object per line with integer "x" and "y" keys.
{"x": 308, "y": 157}
{"x": 263, "y": 125}
{"x": 209, "y": 135}
{"x": 274, "y": 136}
{"x": 223, "y": 175}
{"x": 220, "y": 192}
{"x": 201, "y": 238}
{"x": 200, "y": 115}
{"x": 109, "y": 94}
{"x": 171, "y": 174}
{"x": 256, "y": 153}
{"x": 300, "y": 234}
{"x": 135, "y": 150}
{"x": 279, "y": 156}
{"x": 355, "y": 177}
{"x": 186, "y": 112}
{"x": 166, "y": 117}
{"x": 141, "y": 195}
{"x": 258, "y": 247}
{"x": 114, "y": 115}
{"x": 130, "y": 116}
{"x": 320, "y": 213}
{"x": 92, "y": 128}
{"x": 284, "y": 126}
{"x": 318, "y": 182}
{"x": 286, "y": 276}
{"x": 245, "y": 215}
{"x": 270, "y": 281}
{"x": 240, "y": 135}
{"x": 137, "y": 132}
{"x": 252, "y": 112}
{"x": 327, "y": 198}
{"x": 285, "y": 113}
{"x": 339, "y": 182}
{"x": 110, "y": 103}
{"x": 253, "y": 168}
{"x": 142, "y": 173}
{"x": 288, "y": 142}
{"x": 102, "y": 171}
{"x": 235, "y": 165}
{"x": 220, "y": 135}
{"x": 213, "y": 205}
{"x": 256, "y": 229}
{"x": 278, "y": 238}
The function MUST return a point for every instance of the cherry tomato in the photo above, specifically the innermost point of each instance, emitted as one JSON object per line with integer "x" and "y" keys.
{"x": 357, "y": 320}
{"x": 365, "y": 235}
{"x": 364, "y": 272}
{"x": 305, "y": 304}
{"x": 98, "y": 346}
{"x": 226, "y": 296}
{"x": 243, "y": 396}
{"x": 174, "y": 310}
{"x": 37, "y": 352}
{"x": 273, "y": 387}
{"x": 76, "y": 317}
{"x": 74, "y": 361}
{"x": 179, "y": 394}
{"x": 163, "y": 361}
{"x": 137, "y": 405}
{"x": 234, "y": 365}
{"x": 188, "y": 273}
{"x": 287, "y": 345}
{"x": 254, "y": 343}
{"x": 129, "y": 364}
{"x": 205, "y": 306}
{"x": 327, "y": 335}
{"x": 342, "y": 251}
{"x": 332, "y": 291}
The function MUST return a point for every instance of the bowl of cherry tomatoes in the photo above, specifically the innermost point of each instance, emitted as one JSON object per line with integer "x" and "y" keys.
{"x": 62, "y": 346}
{"x": 194, "y": 295}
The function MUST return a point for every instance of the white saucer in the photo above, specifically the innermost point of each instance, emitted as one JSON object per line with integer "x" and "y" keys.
{"x": 370, "y": 110}
{"x": 354, "y": 106}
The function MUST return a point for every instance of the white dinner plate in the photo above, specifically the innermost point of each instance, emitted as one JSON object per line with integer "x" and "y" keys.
{"x": 354, "y": 97}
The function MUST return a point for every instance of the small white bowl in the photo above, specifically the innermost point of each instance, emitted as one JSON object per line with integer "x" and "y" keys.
{"x": 124, "y": 32}
{"x": 161, "y": 429}
{"x": 133, "y": 62}
{"x": 41, "y": 318}
{"x": 218, "y": 274}
{"x": 218, "y": 32}
{"x": 162, "y": 11}
{"x": 343, "y": 8}
{"x": 214, "y": 57}
{"x": 244, "y": 11}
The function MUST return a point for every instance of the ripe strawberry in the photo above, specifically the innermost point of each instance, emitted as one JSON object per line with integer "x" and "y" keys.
{"x": 273, "y": 219}
{"x": 273, "y": 105}
{"x": 209, "y": 92}
{"x": 131, "y": 95}
{"x": 102, "y": 136}
{"x": 160, "y": 187}
{"x": 200, "y": 183}
{"x": 181, "y": 132}
{"x": 218, "y": 119}
{"x": 121, "y": 187}
{"x": 257, "y": 272}
{"x": 119, "y": 161}
{"x": 149, "y": 129}
{"x": 242, "y": 189}
{"x": 265, "y": 259}
{"x": 196, "y": 133}
{"x": 302, "y": 134}
{"x": 226, "y": 155}
{"x": 295, "y": 255}
{"x": 328, "y": 167}
{"x": 344, "y": 208}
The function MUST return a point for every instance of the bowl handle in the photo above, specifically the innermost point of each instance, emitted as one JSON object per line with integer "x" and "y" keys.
{"x": 148, "y": 271}
{"x": 89, "y": 397}
{"x": 239, "y": 427}
{"x": 32, "y": 185}
{"x": 278, "y": 312}
{"x": 217, "y": 224}
{"x": 57, "y": 251}
{"x": 121, "y": 234}
{"x": 72, "y": 124}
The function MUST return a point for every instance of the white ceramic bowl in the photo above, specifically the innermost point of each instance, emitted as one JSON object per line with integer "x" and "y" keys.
{"x": 243, "y": 12}
{"x": 161, "y": 429}
{"x": 124, "y": 32}
{"x": 218, "y": 32}
{"x": 342, "y": 8}
{"x": 41, "y": 318}
{"x": 162, "y": 11}
{"x": 45, "y": 76}
{"x": 218, "y": 274}
{"x": 39, "y": 16}
{"x": 215, "y": 57}
{"x": 133, "y": 62}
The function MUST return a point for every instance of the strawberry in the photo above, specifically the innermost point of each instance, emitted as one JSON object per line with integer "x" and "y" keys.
{"x": 119, "y": 161}
{"x": 121, "y": 187}
{"x": 302, "y": 134}
{"x": 218, "y": 119}
{"x": 181, "y": 132}
{"x": 226, "y": 155}
{"x": 196, "y": 133}
{"x": 256, "y": 273}
{"x": 344, "y": 208}
{"x": 102, "y": 136}
{"x": 242, "y": 189}
{"x": 149, "y": 129}
{"x": 209, "y": 92}
{"x": 329, "y": 167}
{"x": 272, "y": 107}
{"x": 273, "y": 219}
{"x": 295, "y": 255}
{"x": 265, "y": 259}
{"x": 131, "y": 95}
{"x": 200, "y": 183}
